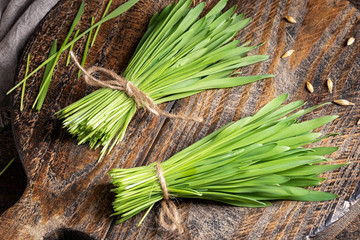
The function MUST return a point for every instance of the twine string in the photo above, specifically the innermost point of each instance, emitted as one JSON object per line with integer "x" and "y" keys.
{"x": 169, "y": 216}
{"x": 120, "y": 83}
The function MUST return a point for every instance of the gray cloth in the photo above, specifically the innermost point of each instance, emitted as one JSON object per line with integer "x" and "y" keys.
{"x": 18, "y": 19}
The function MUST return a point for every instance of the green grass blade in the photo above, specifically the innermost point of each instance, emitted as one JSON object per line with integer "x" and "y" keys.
{"x": 98, "y": 27}
{"x": 87, "y": 45}
{"x": 315, "y": 196}
{"x": 71, "y": 47}
{"x": 45, "y": 76}
{"x": 7, "y": 166}
{"x": 24, "y": 84}
{"x": 311, "y": 169}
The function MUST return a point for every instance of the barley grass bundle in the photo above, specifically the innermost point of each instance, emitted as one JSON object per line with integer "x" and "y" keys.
{"x": 54, "y": 55}
{"x": 180, "y": 55}
{"x": 245, "y": 163}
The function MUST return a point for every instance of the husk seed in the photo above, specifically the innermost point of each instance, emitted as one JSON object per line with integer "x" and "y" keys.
{"x": 309, "y": 87}
{"x": 350, "y": 41}
{"x": 290, "y": 19}
{"x": 343, "y": 102}
{"x": 329, "y": 85}
{"x": 288, "y": 53}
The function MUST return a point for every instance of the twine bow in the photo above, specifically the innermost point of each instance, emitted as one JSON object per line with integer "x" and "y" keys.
{"x": 169, "y": 217}
{"x": 120, "y": 83}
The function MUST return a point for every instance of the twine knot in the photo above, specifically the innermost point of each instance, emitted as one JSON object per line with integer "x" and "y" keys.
{"x": 120, "y": 83}
{"x": 169, "y": 217}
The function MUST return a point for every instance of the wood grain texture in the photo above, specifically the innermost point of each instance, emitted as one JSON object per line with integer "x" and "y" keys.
{"x": 68, "y": 189}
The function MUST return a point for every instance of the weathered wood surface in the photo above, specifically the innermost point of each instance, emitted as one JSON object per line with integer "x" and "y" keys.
{"x": 68, "y": 189}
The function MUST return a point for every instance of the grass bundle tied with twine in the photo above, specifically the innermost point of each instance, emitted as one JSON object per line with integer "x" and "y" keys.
{"x": 180, "y": 55}
{"x": 54, "y": 55}
{"x": 245, "y": 163}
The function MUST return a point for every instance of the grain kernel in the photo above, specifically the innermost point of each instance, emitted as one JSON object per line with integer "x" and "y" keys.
{"x": 309, "y": 87}
{"x": 343, "y": 102}
{"x": 288, "y": 53}
{"x": 290, "y": 19}
{"x": 329, "y": 85}
{"x": 350, "y": 41}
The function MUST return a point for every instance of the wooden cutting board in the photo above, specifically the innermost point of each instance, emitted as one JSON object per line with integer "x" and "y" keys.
{"x": 69, "y": 190}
